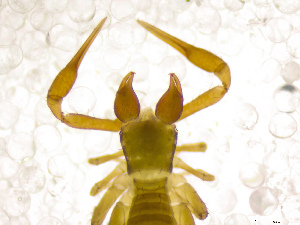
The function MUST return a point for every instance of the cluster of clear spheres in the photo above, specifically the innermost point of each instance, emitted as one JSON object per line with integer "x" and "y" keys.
{"x": 44, "y": 174}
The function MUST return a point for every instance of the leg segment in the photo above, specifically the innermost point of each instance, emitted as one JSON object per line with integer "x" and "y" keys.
{"x": 202, "y": 59}
{"x": 102, "y": 184}
{"x": 193, "y": 201}
{"x": 194, "y": 147}
{"x": 120, "y": 184}
{"x": 63, "y": 83}
{"x": 120, "y": 213}
{"x": 177, "y": 162}
{"x": 105, "y": 158}
{"x": 187, "y": 194}
{"x": 182, "y": 214}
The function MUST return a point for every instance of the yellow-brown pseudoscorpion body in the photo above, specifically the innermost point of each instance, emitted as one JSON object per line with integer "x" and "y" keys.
{"x": 153, "y": 194}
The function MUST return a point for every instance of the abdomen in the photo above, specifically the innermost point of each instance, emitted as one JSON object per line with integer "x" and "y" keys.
{"x": 151, "y": 204}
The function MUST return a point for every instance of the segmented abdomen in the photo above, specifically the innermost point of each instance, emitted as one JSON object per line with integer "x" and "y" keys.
{"x": 151, "y": 205}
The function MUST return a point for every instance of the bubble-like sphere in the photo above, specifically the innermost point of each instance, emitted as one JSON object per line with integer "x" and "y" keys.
{"x": 20, "y": 220}
{"x": 279, "y": 183}
{"x": 280, "y": 53}
{"x": 173, "y": 64}
{"x": 296, "y": 161}
{"x": 75, "y": 216}
{"x": 7, "y": 35}
{"x": 290, "y": 72}
{"x": 56, "y": 186}
{"x": 165, "y": 13}
{"x": 263, "y": 201}
{"x": 293, "y": 45}
{"x": 240, "y": 21}
{"x": 11, "y": 57}
{"x": 42, "y": 113}
{"x": 291, "y": 208}
{"x": 180, "y": 5}
{"x": 77, "y": 156}
{"x": 4, "y": 218}
{"x": 115, "y": 59}
{"x": 5, "y": 184}
{"x": 269, "y": 70}
{"x": 25, "y": 124}
{"x": 140, "y": 67}
{"x": 213, "y": 220}
{"x": 246, "y": 116}
{"x": 82, "y": 11}
{"x": 20, "y": 147}
{"x": 2, "y": 146}
{"x": 252, "y": 175}
{"x": 18, "y": 95}
{"x": 36, "y": 80}
{"x": 14, "y": 19}
{"x": 22, "y": 6}
{"x": 18, "y": 202}
{"x": 287, "y": 6}
{"x": 260, "y": 3}
{"x": 144, "y": 5}
{"x": 32, "y": 179}
{"x": 82, "y": 100}
{"x": 113, "y": 81}
{"x": 8, "y": 167}
{"x": 97, "y": 141}
{"x": 9, "y": 115}
{"x": 41, "y": 20}
{"x": 237, "y": 219}
{"x": 120, "y": 35}
{"x": 77, "y": 179}
{"x": 50, "y": 220}
{"x": 154, "y": 51}
{"x": 59, "y": 165}
{"x": 123, "y": 10}
{"x": 233, "y": 5}
{"x": 63, "y": 38}
{"x": 140, "y": 35}
{"x": 47, "y": 138}
{"x": 185, "y": 19}
{"x": 264, "y": 12}
{"x": 208, "y": 20}
{"x": 225, "y": 200}
{"x": 278, "y": 30}
{"x": 55, "y": 6}
{"x": 287, "y": 98}
{"x": 282, "y": 125}
{"x": 277, "y": 161}
{"x": 230, "y": 41}
{"x": 2, "y": 97}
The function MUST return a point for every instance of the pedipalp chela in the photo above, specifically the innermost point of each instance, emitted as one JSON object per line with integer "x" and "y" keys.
{"x": 150, "y": 193}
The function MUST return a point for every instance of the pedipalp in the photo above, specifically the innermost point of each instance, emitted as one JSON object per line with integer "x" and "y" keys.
{"x": 152, "y": 192}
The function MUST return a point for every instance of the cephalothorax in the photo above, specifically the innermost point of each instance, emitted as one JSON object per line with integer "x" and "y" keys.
{"x": 153, "y": 194}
